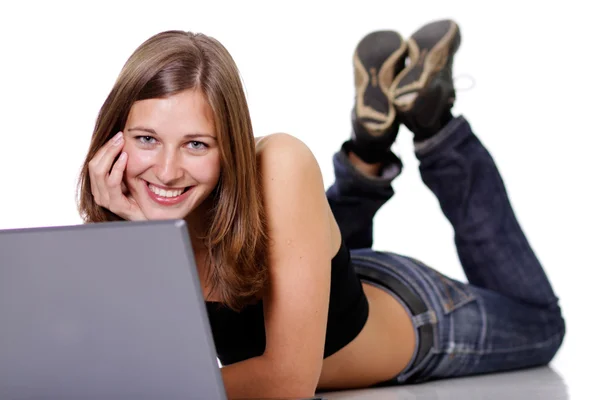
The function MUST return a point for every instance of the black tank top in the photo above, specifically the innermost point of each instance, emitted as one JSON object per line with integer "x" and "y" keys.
{"x": 241, "y": 335}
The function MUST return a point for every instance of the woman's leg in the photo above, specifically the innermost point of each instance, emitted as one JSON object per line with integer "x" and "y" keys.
{"x": 488, "y": 325}
{"x": 493, "y": 250}
{"x": 509, "y": 315}
{"x": 514, "y": 320}
{"x": 354, "y": 198}
{"x": 459, "y": 170}
{"x": 364, "y": 167}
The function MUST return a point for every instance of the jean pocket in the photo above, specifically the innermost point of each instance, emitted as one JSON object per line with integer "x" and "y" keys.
{"x": 452, "y": 293}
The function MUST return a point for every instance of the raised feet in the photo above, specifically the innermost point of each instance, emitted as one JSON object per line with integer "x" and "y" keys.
{"x": 423, "y": 92}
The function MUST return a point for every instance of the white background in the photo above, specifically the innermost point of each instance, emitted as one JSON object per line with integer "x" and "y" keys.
{"x": 534, "y": 104}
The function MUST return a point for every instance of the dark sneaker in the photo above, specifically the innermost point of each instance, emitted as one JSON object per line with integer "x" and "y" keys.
{"x": 375, "y": 124}
{"x": 423, "y": 92}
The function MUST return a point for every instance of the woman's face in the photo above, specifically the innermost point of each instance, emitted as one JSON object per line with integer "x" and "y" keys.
{"x": 173, "y": 162}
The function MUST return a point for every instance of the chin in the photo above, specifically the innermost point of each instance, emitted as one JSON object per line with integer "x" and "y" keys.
{"x": 158, "y": 216}
{"x": 155, "y": 212}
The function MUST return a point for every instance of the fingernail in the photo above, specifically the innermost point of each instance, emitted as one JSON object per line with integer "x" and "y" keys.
{"x": 118, "y": 138}
{"x": 123, "y": 157}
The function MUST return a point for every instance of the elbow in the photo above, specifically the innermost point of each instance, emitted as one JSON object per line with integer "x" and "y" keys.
{"x": 307, "y": 383}
{"x": 299, "y": 383}
{"x": 297, "y": 386}
{"x": 297, "y": 379}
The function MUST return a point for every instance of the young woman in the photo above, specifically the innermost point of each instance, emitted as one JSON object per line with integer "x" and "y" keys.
{"x": 298, "y": 302}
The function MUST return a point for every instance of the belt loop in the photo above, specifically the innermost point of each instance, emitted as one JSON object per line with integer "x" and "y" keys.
{"x": 428, "y": 317}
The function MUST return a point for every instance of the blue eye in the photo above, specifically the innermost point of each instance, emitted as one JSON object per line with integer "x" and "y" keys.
{"x": 146, "y": 139}
{"x": 196, "y": 145}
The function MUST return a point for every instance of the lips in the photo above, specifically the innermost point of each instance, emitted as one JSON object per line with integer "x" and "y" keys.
{"x": 167, "y": 197}
{"x": 165, "y": 193}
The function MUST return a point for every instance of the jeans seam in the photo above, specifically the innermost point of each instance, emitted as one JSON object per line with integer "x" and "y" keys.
{"x": 466, "y": 296}
{"x": 537, "y": 345}
{"x": 484, "y": 323}
{"x": 438, "y": 292}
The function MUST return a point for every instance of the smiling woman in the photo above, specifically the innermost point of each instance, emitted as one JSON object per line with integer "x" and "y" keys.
{"x": 166, "y": 147}
{"x": 171, "y": 172}
{"x": 297, "y": 299}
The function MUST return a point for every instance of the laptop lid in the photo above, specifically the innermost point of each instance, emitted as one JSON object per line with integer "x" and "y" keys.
{"x": 104, "y": 311}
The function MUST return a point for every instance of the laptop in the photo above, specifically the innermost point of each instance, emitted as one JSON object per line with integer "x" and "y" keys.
{"x": 104, "y": 311}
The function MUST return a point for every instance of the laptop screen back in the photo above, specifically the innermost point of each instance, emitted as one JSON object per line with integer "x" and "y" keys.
{"x": 101, "y": 311}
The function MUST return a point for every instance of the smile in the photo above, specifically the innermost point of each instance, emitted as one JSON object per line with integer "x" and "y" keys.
{"x": 167, "y": 197}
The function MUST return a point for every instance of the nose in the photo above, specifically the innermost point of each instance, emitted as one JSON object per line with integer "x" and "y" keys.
{"x": 168, "y": 168}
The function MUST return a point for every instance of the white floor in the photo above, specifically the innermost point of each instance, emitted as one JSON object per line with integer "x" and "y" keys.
{"x": 540, "y": 383}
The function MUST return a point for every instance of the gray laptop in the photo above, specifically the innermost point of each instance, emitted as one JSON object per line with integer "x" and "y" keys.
{"x": 104, "y": 311}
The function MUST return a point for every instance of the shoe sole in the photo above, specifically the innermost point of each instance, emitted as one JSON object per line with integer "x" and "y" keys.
{"x": 429, "y": 49}
{"x": 375, "y": 66}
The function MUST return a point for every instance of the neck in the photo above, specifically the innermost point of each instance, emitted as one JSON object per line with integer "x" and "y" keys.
{"x": 198, "y": 230}
{"x": 198, "y": 224}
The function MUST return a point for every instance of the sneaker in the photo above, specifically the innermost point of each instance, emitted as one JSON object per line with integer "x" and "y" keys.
{"x": 423, "y": 92}
{"x": 378, "y": 58}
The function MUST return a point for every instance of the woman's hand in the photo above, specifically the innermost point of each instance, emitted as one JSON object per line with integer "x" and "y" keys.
{"x": 107, "y": 184}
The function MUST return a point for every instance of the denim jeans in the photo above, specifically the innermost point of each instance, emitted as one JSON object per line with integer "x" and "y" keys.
{"x": 507, "y": 316}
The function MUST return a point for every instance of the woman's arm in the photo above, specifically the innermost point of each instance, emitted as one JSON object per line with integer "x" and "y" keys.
{"x": 296, "y": 304}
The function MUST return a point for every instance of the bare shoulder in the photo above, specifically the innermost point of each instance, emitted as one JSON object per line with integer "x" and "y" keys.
{"x": 292, "y": 180}
{"x": 285, "y": 152}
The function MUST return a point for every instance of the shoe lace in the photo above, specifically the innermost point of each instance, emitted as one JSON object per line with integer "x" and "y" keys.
{"x": 460, "y": 77}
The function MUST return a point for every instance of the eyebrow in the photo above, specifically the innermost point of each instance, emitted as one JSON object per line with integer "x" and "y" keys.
{"x": 187, "y": 136}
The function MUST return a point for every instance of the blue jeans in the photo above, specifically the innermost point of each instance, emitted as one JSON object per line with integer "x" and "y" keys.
{"x": 507, "y": 316}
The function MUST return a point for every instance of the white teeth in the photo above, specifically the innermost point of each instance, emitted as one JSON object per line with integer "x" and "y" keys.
{"x": 165, "y": 193}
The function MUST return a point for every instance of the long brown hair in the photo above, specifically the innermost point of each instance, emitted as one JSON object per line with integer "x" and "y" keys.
{"x": 236, "y": 238}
